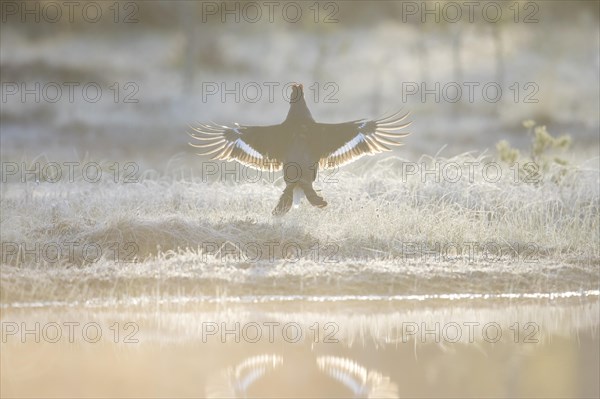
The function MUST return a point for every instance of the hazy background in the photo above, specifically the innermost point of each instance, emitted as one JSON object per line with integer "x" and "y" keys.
{"x": 164, "y": 56}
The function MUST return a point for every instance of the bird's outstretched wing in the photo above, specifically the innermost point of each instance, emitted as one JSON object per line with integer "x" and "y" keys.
{"x": 341, "y": 143}
{"x": 253, "y": 146}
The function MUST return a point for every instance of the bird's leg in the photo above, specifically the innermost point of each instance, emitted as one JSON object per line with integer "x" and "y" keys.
{"x": 285, "y": 201}
{"x": 312, "y": 196}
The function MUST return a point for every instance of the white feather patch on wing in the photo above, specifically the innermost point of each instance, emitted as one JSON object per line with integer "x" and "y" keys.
{"x": 239, "y": 143}
{"x": 349, "y": 145}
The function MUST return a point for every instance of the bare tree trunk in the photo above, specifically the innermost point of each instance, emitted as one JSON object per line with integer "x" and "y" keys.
{"x": 456, "y": 63}
{"x": 379, "y": 84}
{"x": 188, "y": 17}
{"x": 500, "y": 68}
{"x": 422, "y": 55}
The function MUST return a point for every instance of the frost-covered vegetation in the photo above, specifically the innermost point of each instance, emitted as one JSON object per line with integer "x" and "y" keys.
{"x": 464, "y": 228}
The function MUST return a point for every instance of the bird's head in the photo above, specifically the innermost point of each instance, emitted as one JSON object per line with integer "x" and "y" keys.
{"x": 298, "y": 110}
{"x": 297, "y": 93}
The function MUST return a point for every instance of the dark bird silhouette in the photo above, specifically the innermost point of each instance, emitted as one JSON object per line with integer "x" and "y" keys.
{"x": 299, "y": 146}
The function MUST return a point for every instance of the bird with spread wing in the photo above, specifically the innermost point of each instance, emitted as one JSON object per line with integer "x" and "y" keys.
{"x": 299, "y": 146}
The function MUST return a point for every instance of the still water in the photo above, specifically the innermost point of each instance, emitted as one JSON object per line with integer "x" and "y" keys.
{"x": 502, "y": 345}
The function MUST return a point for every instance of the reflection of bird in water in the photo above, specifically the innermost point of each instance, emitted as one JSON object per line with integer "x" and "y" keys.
{"x": 299, "y": 146}
{"x": 269, "y": 375}
{"x": 362, "y": 382}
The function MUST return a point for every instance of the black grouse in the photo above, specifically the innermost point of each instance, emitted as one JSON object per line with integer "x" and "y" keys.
{"x": 299, "y": 146}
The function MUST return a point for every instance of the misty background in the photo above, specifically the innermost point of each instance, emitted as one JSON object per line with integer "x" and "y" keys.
{"x": 162, "y": 65}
